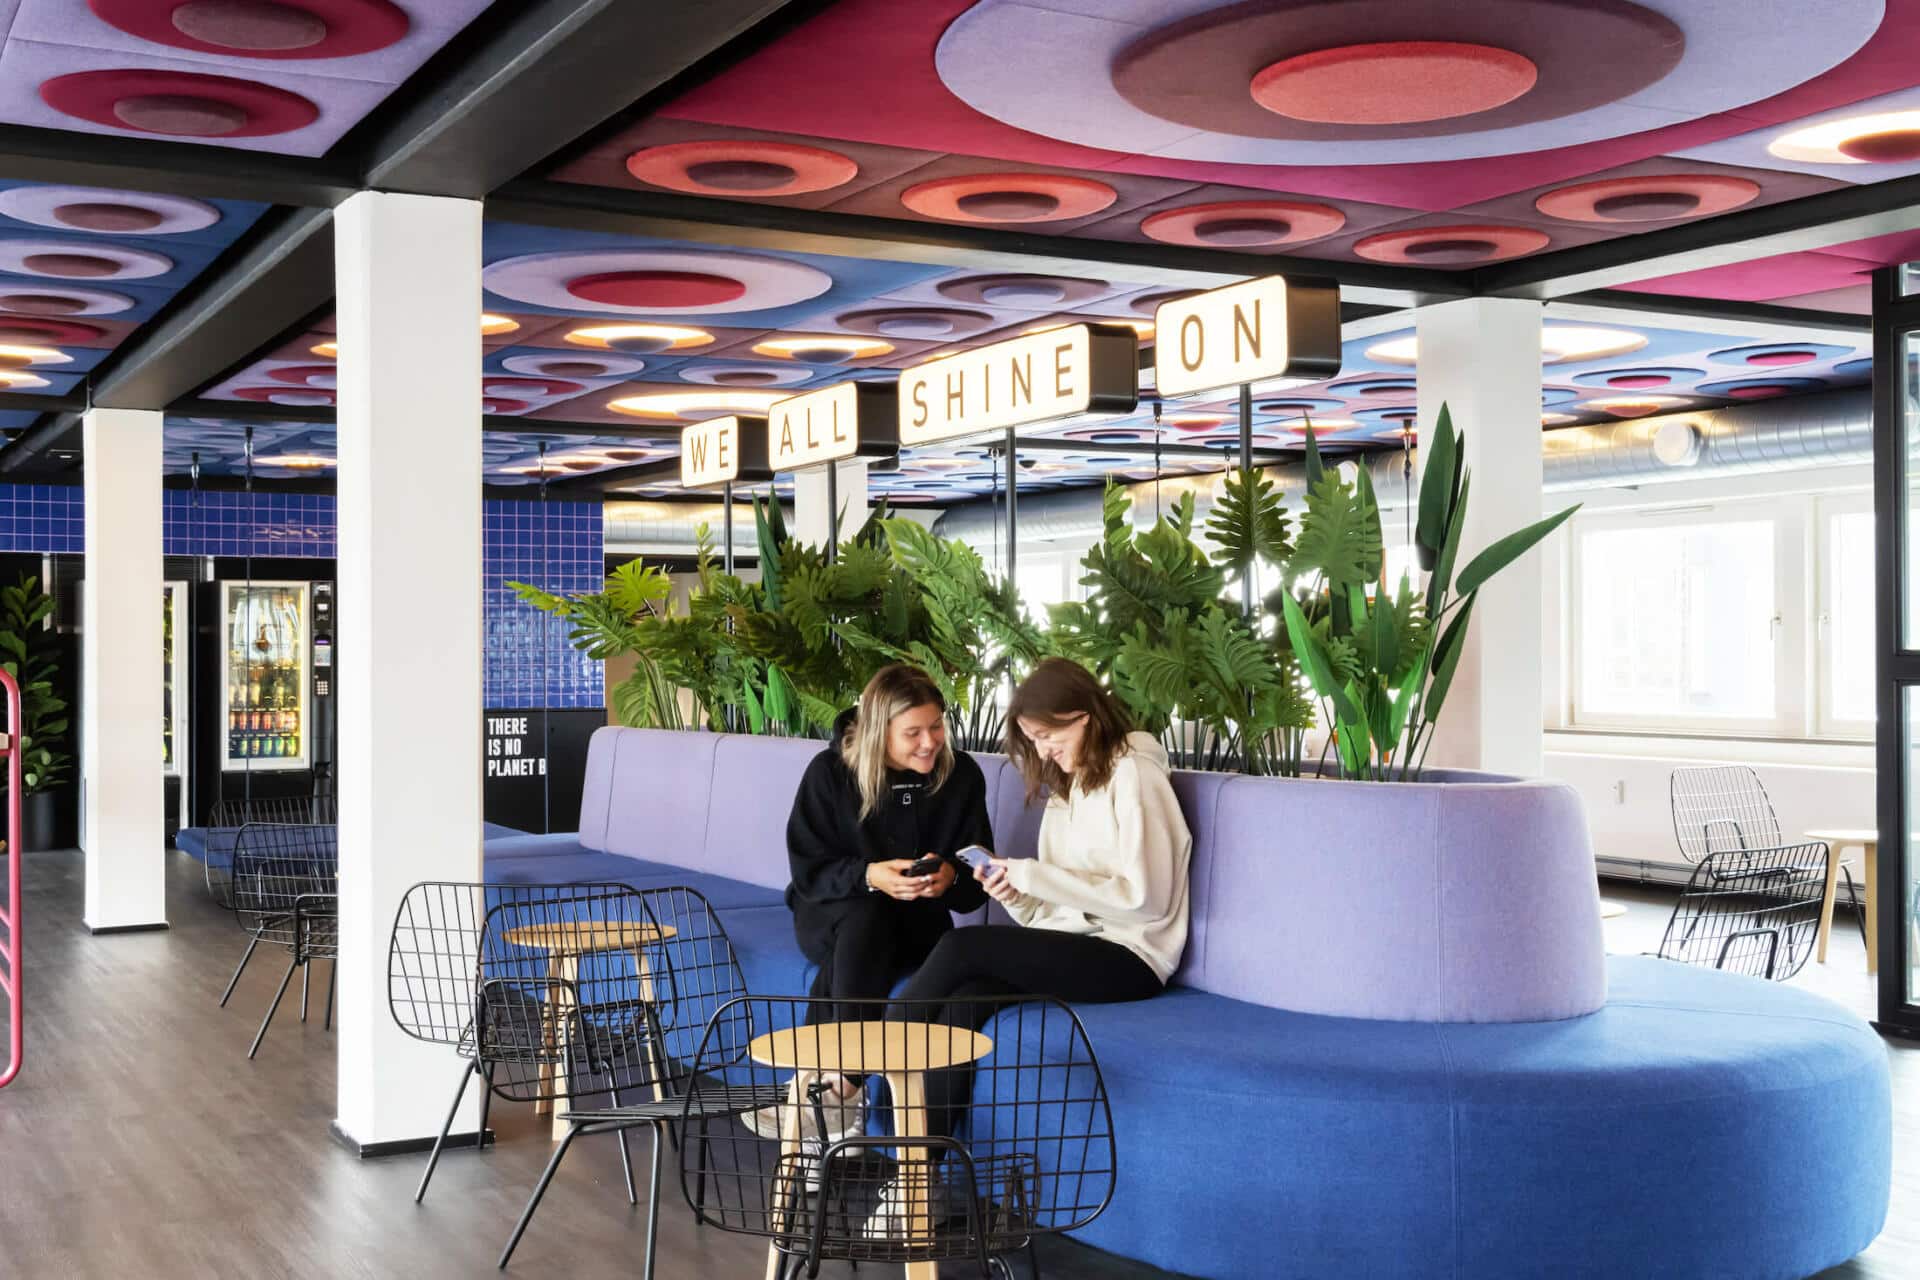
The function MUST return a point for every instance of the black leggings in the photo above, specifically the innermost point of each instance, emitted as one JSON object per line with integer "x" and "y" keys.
{"x": 873, "y": 942}
{"x": 1007, "y": 960}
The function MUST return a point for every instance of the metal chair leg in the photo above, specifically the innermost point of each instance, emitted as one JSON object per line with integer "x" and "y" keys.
{"x": 486, "y": 1105}
{"x": 420, "y": 1193}
{"x": 306, "y": 988}
{"x": 539, "y": 1190}
{"x": 653, "y": 1203}
{"x": 238, "y": 969}
{"x": 333, "y": 971}
{"x": 262, "y": 1033}
{"x": 626, "y": 1157}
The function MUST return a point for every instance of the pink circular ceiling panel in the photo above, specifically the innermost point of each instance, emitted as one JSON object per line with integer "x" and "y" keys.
{"x": 1023, "y": 290}
{"x": 106, "y": 212}
{"x": 186, "y": 104}
{"x": 741, "y": 167}
{"x": 1394, "y": 83}
{"x": 1008, "y": 197}
{"x": 654, "y": 281}
{"x": 71, "y": 260}
{"x": 1244, "y": 223}
{"x": 261, "y": 28}
{"x": 1650, "y": 198}
{"x": 1452, "y": 246}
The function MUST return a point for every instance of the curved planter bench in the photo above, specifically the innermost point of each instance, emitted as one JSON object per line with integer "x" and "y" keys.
{"x": 1390, "y": 1049}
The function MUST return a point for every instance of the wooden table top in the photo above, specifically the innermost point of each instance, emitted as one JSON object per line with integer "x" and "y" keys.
{"x": 1847, "y": 835}
{"x": 582, "y": 937}
{"x": 870, "y": 1047}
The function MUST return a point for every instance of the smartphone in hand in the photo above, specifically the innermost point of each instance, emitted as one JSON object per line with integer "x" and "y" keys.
{"x": 924, "y": 867}
{"x": 975, "y": 856}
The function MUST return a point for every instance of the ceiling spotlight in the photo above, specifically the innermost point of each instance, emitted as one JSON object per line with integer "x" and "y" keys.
{"x": 326, "y": 350}
{"x": 16, "y": 357}
{"x": 298, "y": 461}
{"x": 11, "y": 379}
{"x": 491, "y": 324}
{"x": 1889, "y": 138}
{"x": 1633, "y": 406}
{"x": 696, "y": 404}
{"x": 641, "y": 339}
{"x": 823, "y": 349}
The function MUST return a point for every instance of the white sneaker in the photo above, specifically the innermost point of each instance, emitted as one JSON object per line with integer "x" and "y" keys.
{"x": 846, "y": 1117}
{"x": 890, "y": 1217}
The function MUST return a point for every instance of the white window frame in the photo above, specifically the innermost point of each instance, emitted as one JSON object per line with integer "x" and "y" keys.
{"x": 1789, "y": 517}
{"x": 1826, "y": 723}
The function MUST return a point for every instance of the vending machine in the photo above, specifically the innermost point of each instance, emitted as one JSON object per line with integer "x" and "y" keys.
{"x": 265, "y": 675}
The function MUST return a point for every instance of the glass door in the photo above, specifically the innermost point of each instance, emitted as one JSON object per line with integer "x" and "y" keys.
{"x": 1893, "y": 902}
{"x": 264, "y": 675}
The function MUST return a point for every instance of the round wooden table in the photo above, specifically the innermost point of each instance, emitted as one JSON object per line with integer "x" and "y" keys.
{"x": 1838, "y": 838}
{"x": 901, "y": 1052}
{"x": 565, "y": 941}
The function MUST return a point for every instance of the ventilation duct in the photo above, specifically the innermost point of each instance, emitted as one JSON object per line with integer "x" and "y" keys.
{"x": 672, "y": 528}
{"x": 1829, "y": 429}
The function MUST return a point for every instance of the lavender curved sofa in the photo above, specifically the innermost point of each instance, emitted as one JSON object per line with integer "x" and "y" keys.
{"x": 1394, "y": 1046}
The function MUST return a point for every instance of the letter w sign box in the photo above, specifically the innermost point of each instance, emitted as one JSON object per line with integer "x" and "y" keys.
{"x": 1266, "y": 328}
{"x": 722, "y": 451}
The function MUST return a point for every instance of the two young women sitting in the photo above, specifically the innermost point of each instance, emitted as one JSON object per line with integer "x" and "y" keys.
{"x": 1100, "y": 915}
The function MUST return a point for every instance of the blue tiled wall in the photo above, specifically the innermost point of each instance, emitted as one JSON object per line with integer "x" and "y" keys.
{"x": 555, "y": 545}
{"x": 220, "y": 524}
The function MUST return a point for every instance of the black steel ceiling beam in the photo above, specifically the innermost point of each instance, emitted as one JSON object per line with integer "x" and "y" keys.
{"x": 171, "y": 168}
{"x": 1811, "y": 222}
{"x": 21, "y": 401}
{"x": 737, "y": 224}
{"x": 532, "y": 79}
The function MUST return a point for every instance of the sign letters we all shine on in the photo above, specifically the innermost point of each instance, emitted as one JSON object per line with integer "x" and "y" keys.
{"x": 1056, "y": 373}
{"x": 1266, "y": 328}
{"x": 722, "y": 450}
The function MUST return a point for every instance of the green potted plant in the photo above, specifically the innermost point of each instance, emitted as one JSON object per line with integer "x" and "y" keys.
{"x": 30, "y": 654}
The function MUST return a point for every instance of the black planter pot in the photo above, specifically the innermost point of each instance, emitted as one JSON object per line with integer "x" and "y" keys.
{"x": 40, "y": 821}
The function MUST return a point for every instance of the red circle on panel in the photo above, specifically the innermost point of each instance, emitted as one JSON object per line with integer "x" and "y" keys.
{"x": 1781, "y": 357}
{"x": 98, "y": 215}
{"x": 1397, "y": 82}
{"x": 304, "y": 374}
{"x": 42, "y": 304}
{"x": 1889, "y": 146}
{"x": 1452, "y": 244}
{"x": 656, "y": 288}
{"x": 506, "y": 383}
{"x": 1639, "y": 381}
{"x": 71, "y": 266}
{"x": 1072, "y": 197}
{"x": 285, "y": 395}
{"x": 46, "y": 332}
{"x": 1756, "y": 390}
{"x": 1649, "y": 198}
{"x": 1293, "y": 220}
{"x": 178, "y": 103}
{"x": 494, "y": 404}
{"x": 741, "y": 167}
{"x": 261, "y": 28}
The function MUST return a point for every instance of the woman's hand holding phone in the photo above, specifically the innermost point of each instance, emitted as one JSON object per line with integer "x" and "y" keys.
{"x": 891, "y": 878}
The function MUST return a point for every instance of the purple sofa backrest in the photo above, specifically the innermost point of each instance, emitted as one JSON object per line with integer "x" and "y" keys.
{"x": 1469, "y": 898}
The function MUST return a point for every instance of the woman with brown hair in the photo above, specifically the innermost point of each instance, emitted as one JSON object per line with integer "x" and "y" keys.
{"x": 1100, "y": 915}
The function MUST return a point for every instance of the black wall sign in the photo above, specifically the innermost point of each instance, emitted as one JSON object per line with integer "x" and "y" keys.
{"x": 530, "y": 783}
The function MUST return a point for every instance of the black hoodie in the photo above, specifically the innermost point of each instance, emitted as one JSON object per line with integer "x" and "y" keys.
{"x": 829, "y": 847}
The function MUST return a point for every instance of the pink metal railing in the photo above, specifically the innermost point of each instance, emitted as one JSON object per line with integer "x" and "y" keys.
{"x": 10, "y": 905}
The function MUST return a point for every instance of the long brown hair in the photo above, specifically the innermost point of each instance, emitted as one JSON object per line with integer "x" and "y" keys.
{"x": 894, "y": 690}
{"x": 1056, "y": 692}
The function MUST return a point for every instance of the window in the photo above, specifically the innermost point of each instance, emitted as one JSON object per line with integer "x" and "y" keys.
{"x": 1676, "y": 621}
{"x": 1046, "y": 578}
{"x": 1846, "y": 619}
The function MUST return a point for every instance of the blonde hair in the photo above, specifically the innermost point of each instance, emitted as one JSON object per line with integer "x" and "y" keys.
{"x": 894, "y": 690}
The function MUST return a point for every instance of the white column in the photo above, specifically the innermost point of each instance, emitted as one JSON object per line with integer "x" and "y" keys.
{"x": 810, "y": 501}
{"x": 1481, "y": 357}
{"x": 120, "y": 702}
{"x": 407, "y": 274}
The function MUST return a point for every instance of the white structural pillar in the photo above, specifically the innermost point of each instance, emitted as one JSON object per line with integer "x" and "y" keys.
{"x": 407, "y": 272}
{"x": 810, "y": 505}
{"x": 120, "y": 702}
{"x": 1481, "y": 357}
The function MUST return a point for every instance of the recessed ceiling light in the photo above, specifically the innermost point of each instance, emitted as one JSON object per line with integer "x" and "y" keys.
{"x": 14, "y": 378}
{"x": 1558, "y": 343}
{"x": 1633, "y": 406}
{"x": 326, "y": 350}
{"x": 491, "y": 324}
{"x": 298, "y": 461}
{"x": 18, "y": 357}
{"x": 1891, "y": 137}
{"x": 1556, "y": 419}
{"x": 823, "y": 349}
{"x": 640, "y": 338}
{"x": 689, "y": 404}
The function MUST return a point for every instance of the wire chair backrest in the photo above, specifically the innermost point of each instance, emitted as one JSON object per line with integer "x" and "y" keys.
{"x": 935, "y": 1163}
{"x": 226, "y": 818}
{"x": 562, "y": 990}
{"x": 1718, "y": 807}
{"x": 286, "y": 885}
{"x": 1751, "y": 911}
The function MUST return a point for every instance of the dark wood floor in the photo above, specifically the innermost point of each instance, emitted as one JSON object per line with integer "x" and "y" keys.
{"x": 139, "y": 1141}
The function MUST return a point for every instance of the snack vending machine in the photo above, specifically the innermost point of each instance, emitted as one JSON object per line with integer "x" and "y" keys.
{"x": 265, "y": 676}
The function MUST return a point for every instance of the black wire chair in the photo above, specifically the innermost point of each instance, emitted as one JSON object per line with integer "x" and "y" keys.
{"x": 223, "y": 832}
{"x": 1751, "y": 911}
{"x": 954, "y": 1146}
{"x": 286, "y": 880}
{"x": 559, "y": 993}
{"x": 1721, "y": 807}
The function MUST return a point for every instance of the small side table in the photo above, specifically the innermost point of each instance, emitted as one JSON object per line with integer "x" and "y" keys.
{"x": 902, "y": 1052}
{"x": 1838, "y": 838}
{"x": 565, "y": 941}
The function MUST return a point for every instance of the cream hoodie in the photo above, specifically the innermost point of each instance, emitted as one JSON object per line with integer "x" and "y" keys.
{"x": 1113, "y": 862}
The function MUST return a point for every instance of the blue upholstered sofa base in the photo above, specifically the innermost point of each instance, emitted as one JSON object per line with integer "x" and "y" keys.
{"x": 1700, "y": 1125}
